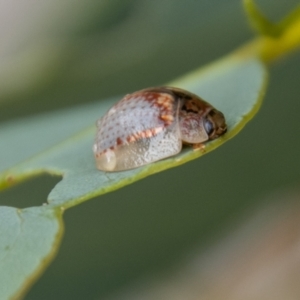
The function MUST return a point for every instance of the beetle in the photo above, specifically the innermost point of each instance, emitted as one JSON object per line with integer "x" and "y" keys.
{"x": 152, "y": 124}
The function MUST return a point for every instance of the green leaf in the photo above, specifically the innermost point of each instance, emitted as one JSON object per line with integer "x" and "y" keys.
{"x": 234, "y": 86}
{"x": 28, "y": 240}
{"x": 61, "y": 143}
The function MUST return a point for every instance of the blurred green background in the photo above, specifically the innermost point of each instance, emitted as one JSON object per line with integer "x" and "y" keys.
{"x": 63, "y": 53}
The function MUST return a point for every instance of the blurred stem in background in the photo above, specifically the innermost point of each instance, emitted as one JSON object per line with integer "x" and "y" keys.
{"x": 276, "y": 39}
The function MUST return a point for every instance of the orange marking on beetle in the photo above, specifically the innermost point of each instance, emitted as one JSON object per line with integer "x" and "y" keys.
{"x": 168, "y": 118}
{"x": 143, "y": 134}
{"x": 137, "y": 135}
{"x": 150, "y": 97}
{"x": 167, "y": 106}
{"x": 119, "y": 141}
{"x": 148, "y": 133}
{"x": 130, "y": 139}
{"x": 157, "y": 130}
{"x": 161, "y": 100}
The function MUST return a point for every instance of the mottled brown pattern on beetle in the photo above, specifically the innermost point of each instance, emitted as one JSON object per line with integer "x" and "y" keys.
{"x": 189, "y": 104}
{"x": 195, "y": 107}
{"x": 143, "y": 134}
{"x": 144, "y": 114}
{"x": 164, "y": 99}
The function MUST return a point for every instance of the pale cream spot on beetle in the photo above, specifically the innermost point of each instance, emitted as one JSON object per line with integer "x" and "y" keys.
{"x": 107, "y": 161}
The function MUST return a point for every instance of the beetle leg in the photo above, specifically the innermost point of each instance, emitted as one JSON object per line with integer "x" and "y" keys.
{"x": 199, "y": 146}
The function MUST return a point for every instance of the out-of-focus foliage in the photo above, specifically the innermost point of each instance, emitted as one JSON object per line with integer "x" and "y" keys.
{"x": 276, "y": 38}
{"x": 246, "y": 264}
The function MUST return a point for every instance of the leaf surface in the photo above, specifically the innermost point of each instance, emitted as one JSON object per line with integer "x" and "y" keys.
{"x": 60, "y": 143}
{"x": 28, "y": 240}
{"x": 234, "y": 86}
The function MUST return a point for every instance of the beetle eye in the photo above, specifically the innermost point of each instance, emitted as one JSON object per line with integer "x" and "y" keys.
{"x": 209, "y": 127}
